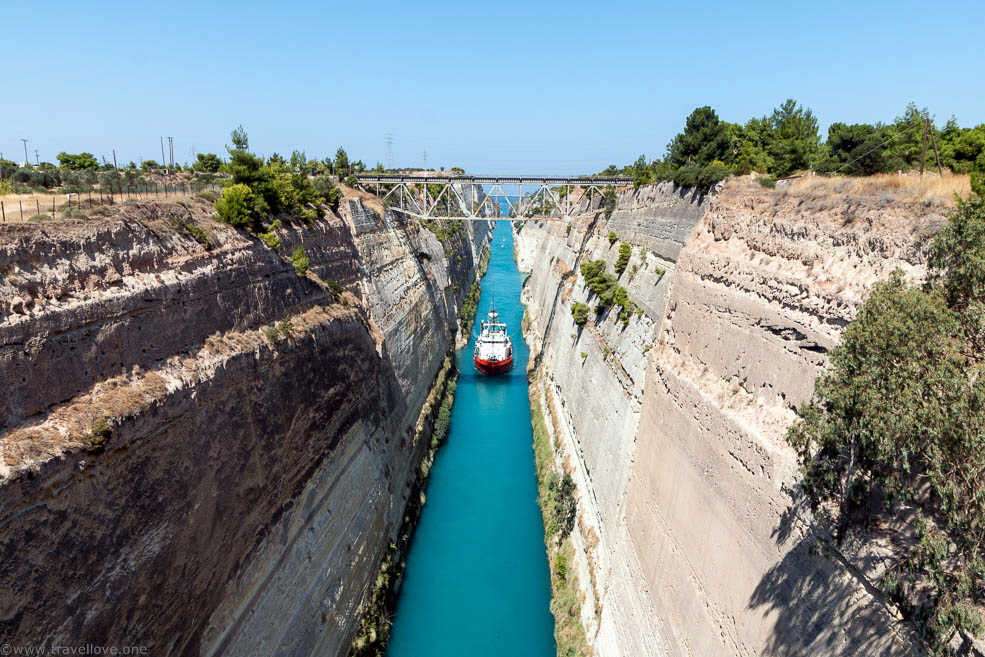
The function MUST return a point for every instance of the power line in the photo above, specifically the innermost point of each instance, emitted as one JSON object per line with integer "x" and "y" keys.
{"x": 894, "y": 137}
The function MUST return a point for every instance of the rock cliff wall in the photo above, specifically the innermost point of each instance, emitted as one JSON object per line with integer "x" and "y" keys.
{"x": 689, "y": 539}
{"x": 262, "y": 439}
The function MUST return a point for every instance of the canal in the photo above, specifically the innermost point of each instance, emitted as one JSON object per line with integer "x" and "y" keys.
{"x": 477, "y": 580}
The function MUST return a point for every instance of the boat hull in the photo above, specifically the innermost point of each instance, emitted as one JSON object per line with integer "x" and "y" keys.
{"x": 493, "y": 366}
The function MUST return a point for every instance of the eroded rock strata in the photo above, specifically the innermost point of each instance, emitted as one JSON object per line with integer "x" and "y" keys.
{"x": 689, "y": 540}
{"x": 262, "y": 426}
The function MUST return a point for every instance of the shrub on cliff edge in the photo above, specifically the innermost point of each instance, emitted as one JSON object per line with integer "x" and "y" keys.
{"x": 240, "y": 207}
{"x": 579, "y": 311}
{"x": 625, "y": 252}
{"x": 300, "y": 261}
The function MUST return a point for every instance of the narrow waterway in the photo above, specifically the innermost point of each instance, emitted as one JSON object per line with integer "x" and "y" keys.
{"x": 477, "y": 581}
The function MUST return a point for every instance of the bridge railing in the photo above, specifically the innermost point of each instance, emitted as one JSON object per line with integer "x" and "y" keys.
{"x": 579, "y": 181}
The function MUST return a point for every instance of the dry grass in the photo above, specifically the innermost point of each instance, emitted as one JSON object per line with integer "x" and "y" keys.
{"x": 929, "y": 189}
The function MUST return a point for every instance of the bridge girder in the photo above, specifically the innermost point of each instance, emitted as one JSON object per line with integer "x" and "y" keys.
{"x": 470, "y": 206}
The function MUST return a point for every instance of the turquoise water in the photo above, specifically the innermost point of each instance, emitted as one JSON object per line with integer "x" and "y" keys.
{"x": 477, "y": 581}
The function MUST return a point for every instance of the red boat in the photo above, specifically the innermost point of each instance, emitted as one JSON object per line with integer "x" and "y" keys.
{"x": 493, "y": 349}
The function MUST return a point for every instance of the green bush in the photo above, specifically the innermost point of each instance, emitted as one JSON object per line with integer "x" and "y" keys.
{"x": 240, "y": 207}
{"x": 326, "y": 190}
{"x": 561, "y": 566}
{"x": 206, "y": 163}
{"x": 74, "y": 213}
{"x": 286, "y": 327}
{"x": 335, "y": 287}
{"x": 563, "y": 504}
{"x": 767, "y": 181}
{"x": 40, "y": 217}
{"x": 98, "y": 437}
{"x": 579, "y": 311}
{"x": 469, "y": 306}
{"x": 603, "y": 285}
{"x": 612, "y": 237}
{"x": 197, "y": 234}
{"x": 625, "y": 252}
{"x": 300, "y": 261}
{"x": 78, "y": 162}
{"x": 270, "y": 236}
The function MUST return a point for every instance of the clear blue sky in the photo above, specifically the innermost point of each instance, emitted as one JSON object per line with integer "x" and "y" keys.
{"x": 507, "y": 87}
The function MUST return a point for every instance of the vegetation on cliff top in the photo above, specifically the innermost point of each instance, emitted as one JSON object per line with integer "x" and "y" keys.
{"x": 788, "y": 140}
{"x": 896, "y": 431}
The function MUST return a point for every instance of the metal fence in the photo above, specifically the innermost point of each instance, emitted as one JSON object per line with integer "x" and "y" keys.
{"x": 44, "y": 207}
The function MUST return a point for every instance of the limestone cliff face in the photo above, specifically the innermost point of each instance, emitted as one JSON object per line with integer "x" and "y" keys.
{"x": 257, "y": 468}
{"x": 673, "y": 426}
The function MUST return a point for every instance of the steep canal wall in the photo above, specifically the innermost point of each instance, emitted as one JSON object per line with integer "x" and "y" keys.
{"x": 688, "y": 541}
{"x": 203, "y": 451}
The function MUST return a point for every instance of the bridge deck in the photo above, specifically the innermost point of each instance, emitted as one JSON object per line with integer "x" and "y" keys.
{"x": 391, "y": 179}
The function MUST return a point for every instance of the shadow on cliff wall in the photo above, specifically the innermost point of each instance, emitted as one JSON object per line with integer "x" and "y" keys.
{"x": 818, "y": 607}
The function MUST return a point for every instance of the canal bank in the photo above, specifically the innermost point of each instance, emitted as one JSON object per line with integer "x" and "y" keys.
{"x": 477, "y": 579}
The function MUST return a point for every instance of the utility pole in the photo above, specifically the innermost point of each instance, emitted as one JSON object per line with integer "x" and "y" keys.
{"x": 923, "y": 153}
{"x": 37, "y": 160}
{"x": 164, "y": 162}
{"x": 116, "y": 171}
{"x": 388, "y": 139}
{"x": 929, "y": 127}
{"x": 937, "y": 153}
{"x": 425, "y": 160}
{"x": 26, "y": 160}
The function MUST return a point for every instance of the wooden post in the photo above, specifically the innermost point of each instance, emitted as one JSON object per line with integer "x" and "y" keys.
{"x": 116, "y": 172}
{"x": 21, "y": 203}
{"x": 3, "y": 213}
{"x": 937, "y": 154}
{"x": 37, "y": 202}
{"x": 923, "y": 154}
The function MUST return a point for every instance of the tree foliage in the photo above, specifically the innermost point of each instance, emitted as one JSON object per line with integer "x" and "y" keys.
{"x": 705, "y": 139}
{"x": 794, "y": 138}
{"x": 239, "y": 206}
{"x": 579, "y": 312}
{"x": 207, "y": 163}
{"x": 277, "y": 186}
{"x": 787, "y": 141}
{"x": 606, "y": 290}
{"x": 78, "y": 161}
{"x": 898, "y": 424}
{"x": 625, "y": 253}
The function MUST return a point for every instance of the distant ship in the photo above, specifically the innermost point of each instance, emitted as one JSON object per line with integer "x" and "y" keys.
{"x": 493, "y": 348}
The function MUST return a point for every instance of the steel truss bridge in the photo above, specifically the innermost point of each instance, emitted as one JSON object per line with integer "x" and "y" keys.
{"x": 457, "y": 197}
